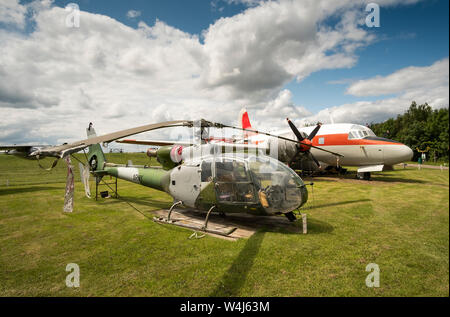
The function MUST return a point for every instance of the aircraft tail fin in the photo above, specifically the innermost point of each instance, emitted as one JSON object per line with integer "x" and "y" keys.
{"x": 244, "y": 120}
{"x": 96, "y": 157}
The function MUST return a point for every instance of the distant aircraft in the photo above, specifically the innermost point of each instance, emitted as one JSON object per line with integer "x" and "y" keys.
{"x": 358, "y": 145}
{"x": 23, "y": 151}
{"x": 29, "y": 152}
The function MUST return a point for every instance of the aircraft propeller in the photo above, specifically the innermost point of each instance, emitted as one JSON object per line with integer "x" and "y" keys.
{"x": 305, "y": 144}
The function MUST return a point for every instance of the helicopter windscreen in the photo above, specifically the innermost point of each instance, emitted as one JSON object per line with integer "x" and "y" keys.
{"x": 278, "y": 186}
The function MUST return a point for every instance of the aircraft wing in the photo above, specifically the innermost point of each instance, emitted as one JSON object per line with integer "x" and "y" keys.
{"x": 154, "y": 142}
{"x": 371, "y": 168}
{"x": 62, "y": 151}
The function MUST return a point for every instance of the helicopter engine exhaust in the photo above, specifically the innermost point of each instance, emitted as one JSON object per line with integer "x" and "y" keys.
{"x": 152, "y": 152}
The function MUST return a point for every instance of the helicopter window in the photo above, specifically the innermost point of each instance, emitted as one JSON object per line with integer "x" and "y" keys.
{"x": 206, "y": 171}
{"x": 232, "y": 182}
{"x": 224, "y": 171}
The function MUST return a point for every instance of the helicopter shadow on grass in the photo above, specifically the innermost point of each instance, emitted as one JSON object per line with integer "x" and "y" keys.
{"x": 236, "y": 275}
{"x": 158, "y": 204}
{"x": 21, "y": 190}
{"x": 340, "y": 203}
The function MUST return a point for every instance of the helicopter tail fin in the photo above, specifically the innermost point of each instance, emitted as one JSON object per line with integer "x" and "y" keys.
{"x": 96, "y": 157}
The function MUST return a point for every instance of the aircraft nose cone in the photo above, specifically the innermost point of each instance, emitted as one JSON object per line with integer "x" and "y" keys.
{"x": 405, "y": 153}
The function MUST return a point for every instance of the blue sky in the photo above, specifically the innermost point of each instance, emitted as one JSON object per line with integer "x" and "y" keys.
{"x": 410, "y": 35}
{"x": 415, "y": 35}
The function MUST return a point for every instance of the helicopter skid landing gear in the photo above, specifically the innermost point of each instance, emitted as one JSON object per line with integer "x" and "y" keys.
{"x": 192, "y": 225}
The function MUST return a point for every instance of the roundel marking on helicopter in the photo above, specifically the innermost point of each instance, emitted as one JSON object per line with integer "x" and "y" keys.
{"x": 176, "y": 154}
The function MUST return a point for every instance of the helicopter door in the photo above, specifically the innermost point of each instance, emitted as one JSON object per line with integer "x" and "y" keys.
{"x": 232, "y": 182}
{"x": 185, "y": 183}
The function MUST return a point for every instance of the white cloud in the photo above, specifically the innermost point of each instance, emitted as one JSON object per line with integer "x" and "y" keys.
{"x": 133, "y": 14}
{"x": 428, "y": 84}
{"x": 13, "y": 13}
{"x": 57, "y": 79}
{"x": 258, "y": 51}
{"x": 403, "y": 80}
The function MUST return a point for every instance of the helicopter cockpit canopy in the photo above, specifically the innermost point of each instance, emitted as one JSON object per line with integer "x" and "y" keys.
{"x": 278, "y": 187}
{"x": 359, "y": 132}
{"x": 258, "y": 179}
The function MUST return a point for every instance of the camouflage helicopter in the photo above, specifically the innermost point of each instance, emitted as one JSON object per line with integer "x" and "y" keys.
{"x": 214, "y": 177}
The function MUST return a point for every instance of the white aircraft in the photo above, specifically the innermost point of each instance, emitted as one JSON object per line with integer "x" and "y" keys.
{"x": 357, "y": 145}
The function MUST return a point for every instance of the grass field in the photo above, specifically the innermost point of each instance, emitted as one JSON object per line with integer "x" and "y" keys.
{"x": 400, "y": 221}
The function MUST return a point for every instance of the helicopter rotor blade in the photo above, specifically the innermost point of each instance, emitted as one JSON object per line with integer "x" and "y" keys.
{"x": 320, "y": 149}
{"x": 276, "y": 136}
{"x": 62, "y": 151}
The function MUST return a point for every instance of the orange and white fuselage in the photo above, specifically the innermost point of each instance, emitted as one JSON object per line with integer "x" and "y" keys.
{"x": 358, "y": 145}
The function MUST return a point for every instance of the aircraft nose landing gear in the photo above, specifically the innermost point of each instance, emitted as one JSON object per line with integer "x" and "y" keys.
{"x": 363, "y": 176}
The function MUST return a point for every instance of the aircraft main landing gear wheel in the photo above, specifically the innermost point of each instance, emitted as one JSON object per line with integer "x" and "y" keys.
{"x": 363, "y": 176}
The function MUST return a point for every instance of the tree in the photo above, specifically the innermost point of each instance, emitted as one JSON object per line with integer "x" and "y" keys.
{"x": 419, "y": 127}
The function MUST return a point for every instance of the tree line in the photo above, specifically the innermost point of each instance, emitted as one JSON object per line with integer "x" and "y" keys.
{"x": 421, "y": 128}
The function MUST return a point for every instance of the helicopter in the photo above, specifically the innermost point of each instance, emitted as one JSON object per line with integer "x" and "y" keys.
{"x": 221, "y": 178}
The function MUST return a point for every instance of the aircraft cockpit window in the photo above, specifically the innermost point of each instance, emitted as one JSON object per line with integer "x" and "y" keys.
{"x": 359, "y": 132}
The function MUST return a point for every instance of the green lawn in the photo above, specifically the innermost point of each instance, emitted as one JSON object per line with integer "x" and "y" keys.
{"x": 400, "y": 221}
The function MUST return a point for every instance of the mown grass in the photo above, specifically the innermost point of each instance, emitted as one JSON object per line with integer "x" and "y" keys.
{"x": 400, "y": 221}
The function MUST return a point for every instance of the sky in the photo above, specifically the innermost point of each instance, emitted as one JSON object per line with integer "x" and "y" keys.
{"x": 130, "y": 63}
